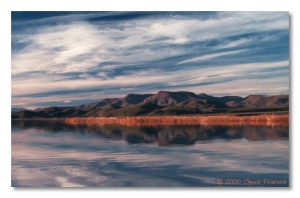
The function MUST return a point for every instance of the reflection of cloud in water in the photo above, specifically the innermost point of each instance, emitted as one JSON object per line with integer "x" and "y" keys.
{"x": 80, "y": 159}
{"x": 64, "y": 182}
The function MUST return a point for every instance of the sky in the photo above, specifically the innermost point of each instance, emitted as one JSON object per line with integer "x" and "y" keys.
{"x": 70, "y": 58}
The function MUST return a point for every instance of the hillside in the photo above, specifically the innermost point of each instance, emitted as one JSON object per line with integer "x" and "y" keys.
{"x": 165, "y": 98}
{"x": 101, "y": 103}
{"x": 223, "y": 99}
{"x": 17, "y": 109}
{"x": 163, "y": 103}
{"x": 131, "y": 99}
{"x": 132, "y": 110}
{"x": 261, "y": 101}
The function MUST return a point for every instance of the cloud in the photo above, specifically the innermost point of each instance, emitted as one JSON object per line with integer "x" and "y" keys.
{"x": 57, "y": 49}
{"x": 98, "y": 52}
{"x": 210, "y": 56}
{"x": 244, "y": 79}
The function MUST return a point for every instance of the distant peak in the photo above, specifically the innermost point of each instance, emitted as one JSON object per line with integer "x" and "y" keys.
{"x": 111, "y": 98}
{"x": 132, "y": 95}
{"x": 161, "y": 92}
{"x": 254, "y": 96}
{"x": 184, "y": 92}
{"x": 175, "y": 92}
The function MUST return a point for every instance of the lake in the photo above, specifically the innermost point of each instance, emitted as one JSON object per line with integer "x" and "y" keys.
{"x": 53, "y": 154}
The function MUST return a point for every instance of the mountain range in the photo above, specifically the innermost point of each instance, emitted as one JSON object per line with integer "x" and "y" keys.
{"x": 163, "y": 103}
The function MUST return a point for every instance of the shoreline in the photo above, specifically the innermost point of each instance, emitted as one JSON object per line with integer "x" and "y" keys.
{"x": 222, "y": 120}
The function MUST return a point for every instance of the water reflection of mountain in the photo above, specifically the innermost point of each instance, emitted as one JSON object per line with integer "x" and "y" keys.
{"x": 161, "y": 135}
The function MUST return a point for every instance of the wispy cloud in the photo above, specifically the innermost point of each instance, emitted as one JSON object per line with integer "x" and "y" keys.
{"x": 106, "y": 51}
{"x": 210, "y": 56}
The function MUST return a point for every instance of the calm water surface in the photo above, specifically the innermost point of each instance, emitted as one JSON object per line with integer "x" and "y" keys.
{"x": 59, "y": 155}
